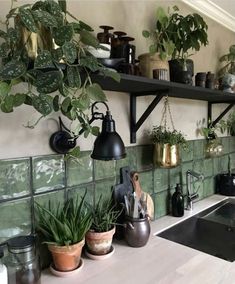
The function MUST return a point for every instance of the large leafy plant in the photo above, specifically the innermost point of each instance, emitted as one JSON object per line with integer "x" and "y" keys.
{"x": 161, "y": 42}
{"x": 188, "y": 33}
{"x": 229, "y": 60}
{"x": 57, "y": 71}
{"x": 66, "y": 225}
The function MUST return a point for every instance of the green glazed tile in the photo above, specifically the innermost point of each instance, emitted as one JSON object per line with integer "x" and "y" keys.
{"x": 144, "y": 157}
{"x": 104, "y": 169}
{"x": 232, "y": 144}
{"x": 79, "y": 191}
{"x": 224, "y": 166}
{"x": 130, "y": 160}
{"x": 226, "y": 142}
{"x": 79, "y": 170}
{"x": 208, "y": 167}
{"x": 199, "y": 149}
{"x": 15, "y": 219}
{"x": 14, "y": 178}
{"x": 198, "y": 187}
{"x": 146, "y": 181}
{"x": 104, "y": 188}
{"x": 175, "y": 176}
{"x": 184, "y": 168}
{"x": 161, "y": 179}
{"x": 162, "y": 203}
{"x": 56, "y": 197}
{"x": 48, "y": 173}
{"x": 216, "y": 165}
{"x": 187, "y": 154}
{"x": 209, "y": 187}
{"x": 198, "y": 166}
{"x": 232, "y": 161}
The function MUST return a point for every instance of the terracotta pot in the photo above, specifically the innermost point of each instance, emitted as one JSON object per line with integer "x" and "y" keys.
{"x": 148, "y": 63}
{"x": 99, "y": 243}
{"x": 166, "y": 155}
{"x": 66, "y": 258}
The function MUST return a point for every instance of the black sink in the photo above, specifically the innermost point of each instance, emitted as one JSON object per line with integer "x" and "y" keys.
{"x": 211, "y": 231}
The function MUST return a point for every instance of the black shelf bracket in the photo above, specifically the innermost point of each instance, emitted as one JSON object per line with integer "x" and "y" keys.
{"x": 135, "y": 125}
{"x": 227, "y": 109}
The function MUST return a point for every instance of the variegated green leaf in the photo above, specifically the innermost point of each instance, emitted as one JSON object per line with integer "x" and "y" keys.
{"x": 43, "y": 60}
{"x": 4, "y": 89}
{"x": 70, "y": 52}
{"x": 13, "y": 69}
{"x": 13, "y": 35}
{"x": 73, "y": 77}
{"x": 27, "y": 19}
{"x": 56, "y": 106}
{"x": 63, "y": 34}
{"x": 90, "y": 62}
{"x": 3, "y": 34}
{"x": 113, "y": 74}
{"x": 8, "y": 103}
{"x": 4, "y": 49}
{"x": 57, "y": 54}
{"x": 45, "y": 18}
{"x": 43, "y": 104}
{"x": 48, "y": 82}
{"x": 96, "y": 93}
{"x": 19, "y": 99}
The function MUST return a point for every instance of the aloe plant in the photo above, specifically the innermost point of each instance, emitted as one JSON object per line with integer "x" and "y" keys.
{"x": 66, "y": 225}
{"x": 104, "y": 215}
{"x": 61, "y": 64}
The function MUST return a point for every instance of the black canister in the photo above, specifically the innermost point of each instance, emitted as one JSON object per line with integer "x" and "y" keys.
{"x": 177, "y": 202}
{"x": 210, "y": 80}
{"x": 105, "y": 36}
{"x": 137, "y": 231}
{"x": 225, "y": 184}
{"x": 200, "y": 79}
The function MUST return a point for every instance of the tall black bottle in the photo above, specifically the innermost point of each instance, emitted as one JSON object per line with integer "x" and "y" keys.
{"x": 177, "y": 202}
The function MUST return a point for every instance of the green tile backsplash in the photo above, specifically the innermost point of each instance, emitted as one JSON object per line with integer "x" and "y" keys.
{"x": 45, "y": 178}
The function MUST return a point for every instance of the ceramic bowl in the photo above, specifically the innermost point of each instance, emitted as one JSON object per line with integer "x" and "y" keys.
{"x": 100, "y": 53}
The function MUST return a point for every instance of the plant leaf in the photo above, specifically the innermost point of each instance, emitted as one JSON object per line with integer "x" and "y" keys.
{"x": 4, "y": 89}
{"x": 63, "y": 34}
{"x": 73, "y": 76}
{"x": 95, "y": 92}
{"x": 8, "y": 103}
{"x": 70, "y": 51}
{"x": 88, "y": 39}
{"x": 43, "y": 104}
{"x": 44, "y": 60}
{"x": 12, "y": 70}
{"x": 4, "y": 49}
{"x": 27, "y": 19}
{"x": 45, "y": 18}
{"x": 19, "y": 99}
{"x": 113, "y": 74}
{"x": 62, "y": 4}
{"x": 56, "y": 106}
{"x": 85, "y": 26}
{"x": 65, "y": 104}
{"x": 48, "y": 82}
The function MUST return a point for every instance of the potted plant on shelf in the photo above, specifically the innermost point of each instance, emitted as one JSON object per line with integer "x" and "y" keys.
{"x": 99, "y": 237}
{"x": 161, "y": 47}
{"x": 188, "y": 33}
{"x": 64, "y": 229}
{"x": 46, "y": 47}
{"x": 229, "y": 60}
{"x": 166, "y": 146}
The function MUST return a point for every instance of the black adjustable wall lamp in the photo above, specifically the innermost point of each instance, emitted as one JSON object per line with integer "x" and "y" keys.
{"x": 107, "y": 146}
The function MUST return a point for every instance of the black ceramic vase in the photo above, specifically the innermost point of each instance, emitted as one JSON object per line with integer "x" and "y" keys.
{"x": 181, "y": 71}
{"x": 137, "y": 231}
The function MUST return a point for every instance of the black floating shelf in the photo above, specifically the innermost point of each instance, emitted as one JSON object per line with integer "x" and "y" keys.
{"x": 138, "y": 86}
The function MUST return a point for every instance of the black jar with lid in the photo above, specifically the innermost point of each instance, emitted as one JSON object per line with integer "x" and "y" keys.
{"x": 105, "y": 36}
{"x": 23, "y": 261}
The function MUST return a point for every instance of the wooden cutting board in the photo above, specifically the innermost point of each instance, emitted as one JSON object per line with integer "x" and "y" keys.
{"x": 142, "y": 195}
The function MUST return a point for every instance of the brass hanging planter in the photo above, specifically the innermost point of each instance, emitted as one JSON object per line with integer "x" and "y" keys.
{"x": 166, "y": 155}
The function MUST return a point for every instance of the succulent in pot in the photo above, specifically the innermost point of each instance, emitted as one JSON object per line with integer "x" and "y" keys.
{"x": 161, "y": 47}
{"x": 166, "y": 146}
{"x": 104, "y": 217}
{"x": 64, "y": 230}
{"x": 45, "y": 47}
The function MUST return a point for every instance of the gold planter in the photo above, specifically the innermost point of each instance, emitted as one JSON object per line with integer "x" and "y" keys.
{"x": 166, "y": 155}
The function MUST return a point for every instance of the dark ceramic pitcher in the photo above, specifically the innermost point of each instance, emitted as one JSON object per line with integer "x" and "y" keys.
{"x": 137, "y": 231}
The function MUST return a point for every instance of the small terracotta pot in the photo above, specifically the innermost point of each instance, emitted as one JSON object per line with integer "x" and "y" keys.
{"x": 66, "y": 258}
{"x": 99, "y": 243}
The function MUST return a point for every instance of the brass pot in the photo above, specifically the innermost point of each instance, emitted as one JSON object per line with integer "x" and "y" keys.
{"x": 166, "y": 155}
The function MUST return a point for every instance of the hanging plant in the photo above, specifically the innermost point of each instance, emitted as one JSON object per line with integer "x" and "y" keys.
{"x": 45, "y": 46}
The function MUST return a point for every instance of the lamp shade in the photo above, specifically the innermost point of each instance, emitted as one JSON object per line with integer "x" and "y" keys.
{"x": 108, "y": 145}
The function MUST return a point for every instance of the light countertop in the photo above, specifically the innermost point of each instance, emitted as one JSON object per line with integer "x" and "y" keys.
{"x": 159, "y": 262}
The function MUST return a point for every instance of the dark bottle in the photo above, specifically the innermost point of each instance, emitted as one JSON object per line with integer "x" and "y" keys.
{"x": 177, "y": 202}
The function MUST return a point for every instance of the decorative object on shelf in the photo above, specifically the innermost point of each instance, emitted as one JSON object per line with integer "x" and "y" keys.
{"x": 99, "y": 237}
{"x": 229, "y": 124}
{"x": 210, "y": 80}
{"x": 161, "y": 74}
{"x": 229, "y": 60}
{"x": 161, "y": 48}
{"x": 61, "y": 63}
{"x": 186, "y": 32}
{"x": 200, "y": 79}
{"x": 105, "y": 37}
{"x": 228, "y": 83}
{"x": 64, "y": 228}
{"x": 107, "y": 146}
{"x": 213, "y": 146}
{"x": 23, "y": 261}
{"x": 166, "y": 142}
{"x": 116, "y": 42}
{"x": 177, "y": 202}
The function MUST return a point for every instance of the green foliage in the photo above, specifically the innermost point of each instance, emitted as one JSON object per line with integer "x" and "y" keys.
{"x": 165, "y": 136}
{"x": 65, "y": 225}
{"x": 187, "y": 33}
{"x": 159, "y": 36}
{"x": 61, "y": 64}
{"x": 209, "y": 130}
{"x": 104, "y": 215}
{"x": 229, "y": 60}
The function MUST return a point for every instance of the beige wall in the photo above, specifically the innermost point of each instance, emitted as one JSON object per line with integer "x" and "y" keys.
{"x": 131, "y": 17}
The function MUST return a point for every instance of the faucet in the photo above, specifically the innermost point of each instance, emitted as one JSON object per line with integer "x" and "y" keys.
{"x": 190, "y": 175}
